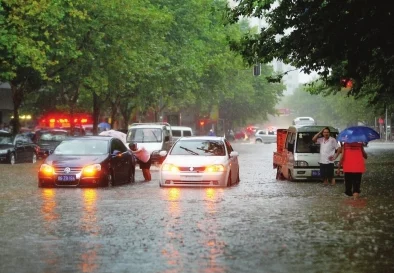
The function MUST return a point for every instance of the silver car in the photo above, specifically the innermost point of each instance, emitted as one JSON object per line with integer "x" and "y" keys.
{"x": 200, "y": 161}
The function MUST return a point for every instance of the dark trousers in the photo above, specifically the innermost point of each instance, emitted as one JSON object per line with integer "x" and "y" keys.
{"x": 327, "y": 171}
{"x": 352, "y": 183}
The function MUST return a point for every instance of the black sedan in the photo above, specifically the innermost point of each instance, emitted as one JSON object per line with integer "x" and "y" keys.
{"x": 18, "y": 148}
{"x": 48, "y": 139}
{"x": 88, "y": 161}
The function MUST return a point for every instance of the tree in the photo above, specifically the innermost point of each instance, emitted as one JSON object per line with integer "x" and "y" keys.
{"x": 336, "y": 39}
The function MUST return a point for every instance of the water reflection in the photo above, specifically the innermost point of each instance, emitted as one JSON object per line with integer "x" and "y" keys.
{"x": 359, "y": 203}
{"x": 89, "y": 216}
{"x": 50, "y": 217}
{"x": 173, "y": 236}
{"x": 211, "y": 242}
{"x": 90, "y": 226}
{"x": 48, "y": 207}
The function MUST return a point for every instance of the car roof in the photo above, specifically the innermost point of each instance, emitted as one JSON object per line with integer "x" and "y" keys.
{"x": 180, "y": 128}
{"x": 92, "y": 138}
{"x": 148, "y": 126}
{"x": 51, "y": 130}
{"x": 312, "y": 128}
{"x": 202, "y": 138}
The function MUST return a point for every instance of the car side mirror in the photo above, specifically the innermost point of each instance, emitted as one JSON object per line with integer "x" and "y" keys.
{"x": 233, "y": 154}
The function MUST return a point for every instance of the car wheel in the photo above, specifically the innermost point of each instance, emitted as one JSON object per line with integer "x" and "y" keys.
{"x": 12, "y": 159}
{"x": 259, "y": 141}
{"x": 229, "y": 180}
{"x": 110, "y": 179}
{"x": 132, "y": 175}
{"x": 34, "y": 158}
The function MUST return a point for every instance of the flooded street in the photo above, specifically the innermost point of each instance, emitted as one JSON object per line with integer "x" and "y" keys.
{"x": 260, "y": 225}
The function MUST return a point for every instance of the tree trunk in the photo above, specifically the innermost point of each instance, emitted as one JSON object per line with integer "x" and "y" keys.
{"x": 17, "y": 98}
{"x": 96, "y": 113}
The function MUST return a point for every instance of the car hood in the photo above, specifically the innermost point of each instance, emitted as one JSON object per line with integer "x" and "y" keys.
{"x": 74, "y": 160}
{"x": 194, "y": 161}
{"x": 6, "y": 146}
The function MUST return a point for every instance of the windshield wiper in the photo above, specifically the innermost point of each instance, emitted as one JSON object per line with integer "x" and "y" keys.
{"x": 188, "y": 150}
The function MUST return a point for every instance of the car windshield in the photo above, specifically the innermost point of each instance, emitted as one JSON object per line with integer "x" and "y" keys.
{"x": 6, "y": 139}
{"x": 199, "y": 147}
{"x": 305, "y": 143}
{"x": 53, "y": 136}
{"x": 82, "y": 147}
{"x": 143, "y": 135}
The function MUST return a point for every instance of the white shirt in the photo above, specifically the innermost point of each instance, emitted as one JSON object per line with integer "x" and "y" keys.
{"x": 327, "y": 149}
{"x": 142, "y": 154}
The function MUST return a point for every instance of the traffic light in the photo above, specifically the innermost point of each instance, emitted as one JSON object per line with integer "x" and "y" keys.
{"x": 257, "y": 69}
{"x": 347, "y": 83}
{"x": 202, "y": 122}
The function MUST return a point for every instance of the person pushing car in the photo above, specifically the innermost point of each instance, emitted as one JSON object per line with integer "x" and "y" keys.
{"x": 144, "y": 160}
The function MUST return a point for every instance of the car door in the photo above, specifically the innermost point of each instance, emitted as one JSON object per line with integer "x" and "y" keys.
{"x": 19, "y": 146}
{"x": 119, "y": 162}
{"x": 234, "y": 165}
{"x": 30, "y": 149}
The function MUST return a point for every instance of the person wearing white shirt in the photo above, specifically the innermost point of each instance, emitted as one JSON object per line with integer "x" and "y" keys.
{"x": 328, "y": 147}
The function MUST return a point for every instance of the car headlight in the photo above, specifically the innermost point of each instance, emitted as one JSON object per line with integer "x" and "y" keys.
{"x": 300, "y": 163}
{"x": 91, "y": 169}
{"x": 214, "y": 168}
{"x": 47, "y": 169}
{"x": 169, "y": 167}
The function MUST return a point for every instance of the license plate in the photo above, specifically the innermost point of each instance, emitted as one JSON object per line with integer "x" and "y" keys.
{"x": 191, "y": 177}
{"x": 66, "y": 178}
{"x": 315, "y": 173}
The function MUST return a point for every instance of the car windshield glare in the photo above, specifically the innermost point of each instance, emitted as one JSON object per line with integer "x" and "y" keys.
{"x": 6, "y": 139}
{"x": 199, "y": 147}
{"x": 53, "y": 137}
{"x": 305, "y": 143}
{"x": 143, "y": 135}
{"x": 82, "y": 147}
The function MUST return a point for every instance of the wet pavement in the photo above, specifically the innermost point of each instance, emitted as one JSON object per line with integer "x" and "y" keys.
{"x": 260, "y": 225}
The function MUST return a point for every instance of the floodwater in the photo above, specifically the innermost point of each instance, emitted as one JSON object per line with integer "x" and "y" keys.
{"x": 261, "y": 225}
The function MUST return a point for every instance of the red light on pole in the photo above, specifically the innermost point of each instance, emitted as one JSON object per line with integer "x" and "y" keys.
{"x": 202, "y": 123}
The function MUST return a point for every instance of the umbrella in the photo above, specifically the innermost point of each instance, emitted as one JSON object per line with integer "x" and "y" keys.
{"x": 358, "y": 134}
{"x": 117, "y": 134}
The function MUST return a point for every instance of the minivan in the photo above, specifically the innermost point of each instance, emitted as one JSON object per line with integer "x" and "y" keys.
{"x": 181, "y": 131}
{"x": 302, "y": 154}
{"x": 304, "y": 121}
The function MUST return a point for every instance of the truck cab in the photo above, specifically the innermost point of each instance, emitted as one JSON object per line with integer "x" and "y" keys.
{"x": 154, "y": 137}
{"x": 297, "y": 156}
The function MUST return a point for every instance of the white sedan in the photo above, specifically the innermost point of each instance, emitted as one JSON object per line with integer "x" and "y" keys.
{"x": 200, "y": 161}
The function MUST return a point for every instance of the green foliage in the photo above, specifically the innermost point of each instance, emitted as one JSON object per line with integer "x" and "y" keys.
{"x": 118, "y": 56}
{"x": 340, "y": 110}
{"x": 337, "y": 39}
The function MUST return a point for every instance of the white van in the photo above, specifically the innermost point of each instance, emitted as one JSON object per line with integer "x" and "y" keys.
{"x": 299, "y": 160}
{"x": 304, "y": 121}
{"x": 181, "y": 131}
{"x": 155, "y": 137}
